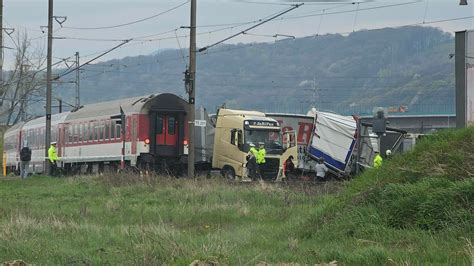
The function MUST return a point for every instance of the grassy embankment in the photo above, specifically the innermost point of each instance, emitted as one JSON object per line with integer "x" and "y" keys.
{"x": 417, "y": 209}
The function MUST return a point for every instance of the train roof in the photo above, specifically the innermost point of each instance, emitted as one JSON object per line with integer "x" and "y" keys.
{"x": 14, "y": 128}
{"x": 41, "y": 121}
{"x": 131, "y": 105}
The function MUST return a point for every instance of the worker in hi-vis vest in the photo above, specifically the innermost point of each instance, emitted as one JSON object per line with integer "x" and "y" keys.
{"x": 377, "y": 160}
{"x": 261, "y": 158}
{"x": 252, "y": 161}
{"x": 53, "y": 158}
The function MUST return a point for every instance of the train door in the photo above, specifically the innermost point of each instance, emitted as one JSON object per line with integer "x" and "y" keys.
{"x": 166, "y": 129}
{"x": 134, "y": 132}
{"x": 61, "y": 138}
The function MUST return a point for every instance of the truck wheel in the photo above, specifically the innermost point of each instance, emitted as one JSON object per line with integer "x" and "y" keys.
{"x": 228, "y": 173}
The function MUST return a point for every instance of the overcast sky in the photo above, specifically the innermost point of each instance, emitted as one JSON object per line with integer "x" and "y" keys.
{"x": 310, "y": 19}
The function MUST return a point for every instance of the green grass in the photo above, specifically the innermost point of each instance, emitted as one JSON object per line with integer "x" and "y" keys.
{"x": 417, "y": 209}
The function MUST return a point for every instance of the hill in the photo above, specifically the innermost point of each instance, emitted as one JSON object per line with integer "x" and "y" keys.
{"x": 416, "y": 210}
{"x": 346, "y": 74}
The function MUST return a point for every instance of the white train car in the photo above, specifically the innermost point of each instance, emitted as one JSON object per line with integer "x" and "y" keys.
{"x": 33, "y": 134}
{"x": 11, "y": 147}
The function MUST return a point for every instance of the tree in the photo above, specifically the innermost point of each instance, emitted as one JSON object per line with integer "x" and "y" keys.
{"x": 23, "y": 82}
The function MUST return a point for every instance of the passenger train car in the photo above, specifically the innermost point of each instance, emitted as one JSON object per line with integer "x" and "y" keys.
{"x": 90, "y": 138}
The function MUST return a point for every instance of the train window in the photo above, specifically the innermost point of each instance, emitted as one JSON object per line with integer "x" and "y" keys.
{"x": 112, "y": 129}
{"x": 159, "y": 124}
{"x": 90, "y": 135}
{"x": 9, "y": 143}
{"x": 85, "y": 136}
{"x": 96, "y": 131}
{"x": 69, "y": 135}
{"x": 101, "y": 130}
{"x": 171, "y": 125}
{"x": 81, "y": 132}
{"x": 107, "y": 130}
{"x": 76, "y": 133}
{"x": 40, "y": 138}
{"x": 118, "y": 131}
{"x": 73, "y": 133}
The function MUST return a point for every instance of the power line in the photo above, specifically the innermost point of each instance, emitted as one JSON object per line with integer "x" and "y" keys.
{"x": 254, "y": 26}
{"x": 350, "y": 11}
{"x": 104, "y": 53}
{"x": 257, "y": 44}
{"x": 32, "y": 74}
{"x": 128, "y": 23}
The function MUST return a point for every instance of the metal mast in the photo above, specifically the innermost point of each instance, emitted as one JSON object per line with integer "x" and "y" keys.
{"x": 191, "y": 89}
{"x": 47, "y": 141}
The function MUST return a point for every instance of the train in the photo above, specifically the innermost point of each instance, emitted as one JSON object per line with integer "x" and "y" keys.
{"x": 90, "y": 138}
{"x": 151, "y": 133}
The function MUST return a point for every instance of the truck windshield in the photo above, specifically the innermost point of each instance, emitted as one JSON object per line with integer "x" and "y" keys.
{"x": 271, "y": 138}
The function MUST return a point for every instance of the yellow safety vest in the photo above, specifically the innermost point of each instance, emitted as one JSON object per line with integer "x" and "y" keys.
{"x": 378, "y": 161}
{"x": 53, "y": 156}
{"x": 261, "y": 156}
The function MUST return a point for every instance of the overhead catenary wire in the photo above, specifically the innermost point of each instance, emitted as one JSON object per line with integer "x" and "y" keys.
{"x": 233, "y": 25}
{"x": 254, "y": 26}
{"x": 255, "y": 44}
{"x": 127, "y": 23}
{"x": 181, "y": 50}
{"x": 93, "y": 59}
{"x": 350, "y": 11}
{"x": 144, "y": 38}
{"x": 228, "y": 49}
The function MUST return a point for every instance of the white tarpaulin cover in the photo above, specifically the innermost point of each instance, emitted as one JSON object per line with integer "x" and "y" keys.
{"x": 333, "y": 139}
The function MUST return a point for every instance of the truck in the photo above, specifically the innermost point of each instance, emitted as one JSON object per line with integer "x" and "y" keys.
{"x": 234, "y": 133}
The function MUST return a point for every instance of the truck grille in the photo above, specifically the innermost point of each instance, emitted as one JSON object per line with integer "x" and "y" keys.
{"x": 270, "y": 168}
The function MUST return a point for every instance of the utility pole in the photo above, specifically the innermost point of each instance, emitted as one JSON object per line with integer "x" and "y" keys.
{"x": 47, "y": 141}
{"x": 1, "y": 42}
{"x": 78, "y": 101}
{"x": 191, "y": 89}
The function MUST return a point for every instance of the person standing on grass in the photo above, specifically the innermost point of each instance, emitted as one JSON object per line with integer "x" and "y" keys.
{"x": 252, "y": 162}
{"x": 261, "y": 158}
{"x": 53, "y": 158}
{"x": 25, "y": 158}
{"x": 377, "y": 160}
{"x": 321, "y": 170}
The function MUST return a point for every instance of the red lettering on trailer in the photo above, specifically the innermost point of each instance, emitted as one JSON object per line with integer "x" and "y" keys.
{"x": 304, "y": 132}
